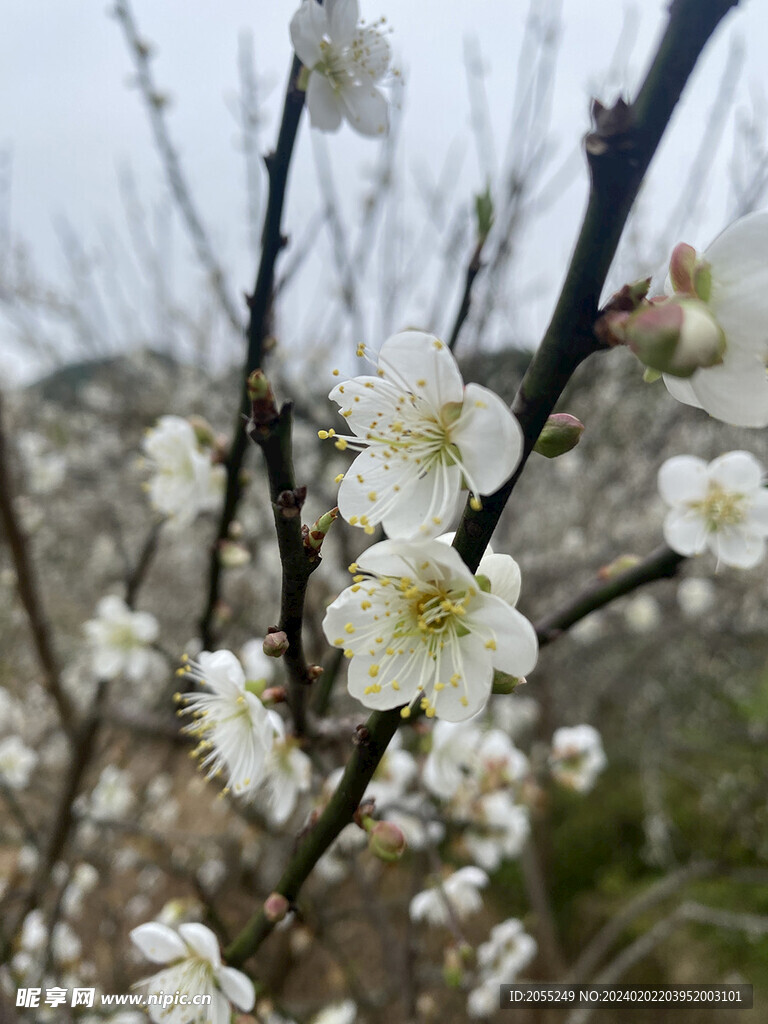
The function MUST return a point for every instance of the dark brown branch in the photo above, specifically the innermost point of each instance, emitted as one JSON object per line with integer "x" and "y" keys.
{"x": 662, "y": 564}
{"x": 297, "y": 559}
{"x": 473, "y": 269}
{"x": 260, "y": 304}
{"x": 27, "y": 586}
{"x": 138, "y": 573}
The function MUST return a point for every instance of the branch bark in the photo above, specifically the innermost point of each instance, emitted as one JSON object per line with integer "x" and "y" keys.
{"x": 260, "y": 305}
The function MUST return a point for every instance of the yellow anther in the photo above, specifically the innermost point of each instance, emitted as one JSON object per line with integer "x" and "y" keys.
{"x": 373, "y": 671}
{"x": 323, "y": 435}
{"x": 372, "y": 496}
{"x": 475, "y": 504}
{"x": 335, "y": 373}
{"x": 437, "y": 344}
{"x": 353, "y": 520}
{"x": 349, "y": 654}
{"x": 355, "y": 588}
{"x": 359, "y": 578}
{"x": 405, "y": 712}
{"x": 395, "y": 684}
{"x": 369, "y": 530}
{"x": 491, "y": 645}
{"x": 439, "y": 687}
{"x": 338, "y": 478}
{"x": 464, "y": 701}
{"x": 346, "y": 413}
{"x": 349, "y": 628}
{"x": 341, "y": 444}
{"x": 365, "y": 605}
{"x": 437, "y": 520}
{"x": 339, "y": 641}
{"x": 421, "y": 383}
{"x": 363, "y": 520}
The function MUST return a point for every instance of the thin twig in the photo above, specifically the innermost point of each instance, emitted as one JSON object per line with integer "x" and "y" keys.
{"x": 610, "y": 934}
{"x": 156, "y": 102}
{"x": 661, "y": 564}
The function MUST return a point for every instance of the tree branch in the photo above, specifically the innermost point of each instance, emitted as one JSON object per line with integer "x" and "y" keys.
{"x": 260, "y": 304}
{"x": 661, "y": 564}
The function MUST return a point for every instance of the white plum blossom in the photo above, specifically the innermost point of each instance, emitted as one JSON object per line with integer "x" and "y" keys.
{"x": 732, "y": 279}
{"x": 119, "y": 640}
{"x": 463, "y": 755}
{"x": 287, "y": 774}
{"x": 498, "y": 831}
{"x": 235, "y": 731}
{"x": 500, "y": 960}
{"x": 345, "y": 60}
{"x": 454, "y": 745}
{"x": 461, "y": 890}
{"x": 695, "y": 596}
{"x": 424, "y": 436}
{"x": 721, "y": 506}
{"x": 192, "y": 966}
{"x": 417, "y": 627}
{"x": 344, "y": 1012}
{"x": 112, "y": 796}
{"x": 577, "y": 757}
{"x": 17, "y": 762}
{"x": 185, "y": 480}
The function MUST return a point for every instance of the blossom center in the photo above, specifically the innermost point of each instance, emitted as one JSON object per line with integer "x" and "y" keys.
{"x": 721, "y": 508}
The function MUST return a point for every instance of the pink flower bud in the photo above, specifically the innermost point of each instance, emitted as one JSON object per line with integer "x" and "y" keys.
{"x": 275, "y": 644}
{"x": 561, "y": 433}
{"x": 386, "y": 841}
{"x": 676, "y": 336}
{"x": 689, "y": 274}
{"x": 275, "y": 907}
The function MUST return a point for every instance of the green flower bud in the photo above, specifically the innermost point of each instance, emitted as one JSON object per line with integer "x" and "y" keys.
{"x": 561, "y": 433}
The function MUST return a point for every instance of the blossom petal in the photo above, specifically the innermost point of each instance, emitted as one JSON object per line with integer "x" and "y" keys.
{"x": 757, "y": 517}
{"x": 158, "y": 943}
{"x": 736, "y": 391}
{"x": 322, "y": 103}
{"x": 423, "y": 365}
{"x": 503, "y": 572}
{"x": 685, "y": 531}
{"x": 308, "y": 26}
{"x": 736, "y": 471}
{"x": 343, "y": 16}
{"x": 220, "y": 1011}
{"x": 517, "y": 648}
{"x": 682, "y": 390}
{"x": 237, "y": 988}
{"x": 436, "y": 561}
{"x": 738, "y": 258}
{"x": 682, "y": 479}
{"x": 465, "y": 670}
{"x": 366, "y": 107}
{"x": 402, "y": 669}
{"x": 223, "y": 673}
{"x": 201, "y": 941}
{"x": 426, "y": 504}
{"x": 735, "y": 547}
{"x": 484, "y": 416}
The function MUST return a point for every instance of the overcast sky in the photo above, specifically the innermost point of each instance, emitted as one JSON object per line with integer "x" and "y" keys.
{"x": 70, "y": 119}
